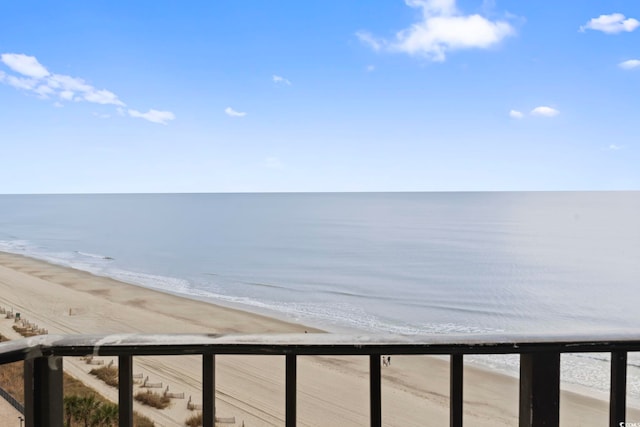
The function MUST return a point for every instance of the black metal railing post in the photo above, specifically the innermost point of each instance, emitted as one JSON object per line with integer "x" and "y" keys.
{"x": 539, "y": 389}
{"x": 539, "y": 366}
{"x": 375, "y": 390}
{"x": 455, "y": 395}
{"x": 43, "y": 393}
{"x": 125, "y": 390}
{"x": 290, "y": 392}
{"x": 208, "y": 390}
{"x": 618, "y": 390}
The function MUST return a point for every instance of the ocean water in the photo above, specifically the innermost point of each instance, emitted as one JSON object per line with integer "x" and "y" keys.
{"x": 407, "y": 263}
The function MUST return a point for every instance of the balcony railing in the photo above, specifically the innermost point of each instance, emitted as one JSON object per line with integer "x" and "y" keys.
{"x": 539, "y": 366}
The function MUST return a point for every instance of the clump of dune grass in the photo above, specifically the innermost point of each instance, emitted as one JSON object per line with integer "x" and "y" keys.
{"x": 107, "y": 374}
{"x": 194, "y": 421}
{"x": 150, "y": 398}
{"x": 26, "y": 332}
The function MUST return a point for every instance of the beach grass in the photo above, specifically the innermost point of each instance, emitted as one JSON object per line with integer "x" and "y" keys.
{"x": 194, "y": 421}
{"x": 107, "y": 374}
{"x": 152, "y": 399}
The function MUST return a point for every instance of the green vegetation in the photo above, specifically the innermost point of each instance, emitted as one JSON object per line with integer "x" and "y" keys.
{"x": 77, "y": 395}
{"x": 83, "y": 406}
{"x": 76, "y": 387}
{"x": 83, "y": 411}
{"x": 89, "y": 411}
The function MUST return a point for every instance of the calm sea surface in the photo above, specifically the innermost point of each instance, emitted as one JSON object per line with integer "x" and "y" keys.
{"x": 377, "y": 262}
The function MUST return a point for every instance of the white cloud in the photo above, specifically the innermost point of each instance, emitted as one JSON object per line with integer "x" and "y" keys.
{"x": 281, "y": 80}
{"x": 442, "y": 28}
{"x": 370, "y": 68}
{"x": 515, "y": 114}
{"x": 25, "y": 65}
{"x": 233, "y": 113}
{"x": 101, "y": 115}
{"x": 44, "y": 91}
{"x": 58, "y": 104}
{"x": 368, "y": 39}
{"x": 437, "y": 7}
{"x": 67, "y": 95}
{"x": 154, "y": 116}
{"x": 74, "y": 84}
{"x": 21, "y": 82}
{"x": 45, "y": 84}
{"x": 33, "y": 77}
{"x": 69, "y": 86}
{"x": 103, "y": 97}
{"x": 630, "y": 64}
{"x": 611, "y": 24}
{"x": 614, "y": 147}
{"x": 544, "y": 111}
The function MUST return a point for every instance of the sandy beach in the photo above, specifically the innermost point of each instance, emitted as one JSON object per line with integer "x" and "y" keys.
{"x": 332, "y": 391}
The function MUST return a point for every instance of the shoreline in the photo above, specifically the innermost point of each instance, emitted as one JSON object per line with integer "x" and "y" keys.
{"x": 415, "y": 389}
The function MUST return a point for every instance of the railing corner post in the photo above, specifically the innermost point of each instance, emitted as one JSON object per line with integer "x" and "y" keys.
{"x": 43, "y": 392}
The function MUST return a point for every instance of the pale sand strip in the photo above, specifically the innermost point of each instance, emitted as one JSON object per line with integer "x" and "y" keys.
{"x": 332, "y": 391}
{"x": 9, "y": 414}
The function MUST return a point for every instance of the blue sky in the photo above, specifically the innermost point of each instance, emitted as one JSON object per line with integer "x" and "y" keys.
{"x": 332, "y": 95}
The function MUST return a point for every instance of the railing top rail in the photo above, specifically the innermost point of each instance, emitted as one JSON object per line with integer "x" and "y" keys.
{"x": 313, "y": 344}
